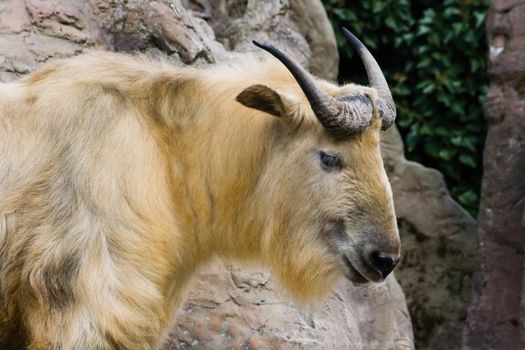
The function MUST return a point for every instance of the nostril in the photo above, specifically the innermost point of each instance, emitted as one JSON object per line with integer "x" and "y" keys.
{"x": 383, "y": 262}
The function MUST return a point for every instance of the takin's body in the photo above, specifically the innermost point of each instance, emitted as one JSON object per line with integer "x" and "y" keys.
{"x": 119, "y": 176}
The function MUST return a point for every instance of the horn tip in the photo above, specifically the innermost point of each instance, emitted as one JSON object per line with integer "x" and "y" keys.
{"x": 260, "y": 44}
{"x": 356, "y": 43}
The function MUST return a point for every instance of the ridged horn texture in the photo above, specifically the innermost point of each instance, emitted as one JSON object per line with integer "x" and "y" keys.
{"x": 340, "y": 118}
{"x": 385, "y": 104}
{"x": 352, "y": 114}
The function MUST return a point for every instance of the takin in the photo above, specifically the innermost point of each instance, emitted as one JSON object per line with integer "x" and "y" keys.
{"x": 120, "y": 176}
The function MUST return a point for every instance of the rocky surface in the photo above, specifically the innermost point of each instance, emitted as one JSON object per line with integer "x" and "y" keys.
{"x": 497, "y": 313}
{"x": 233, "y": 307}
{"x": 439, "y": 249}
{"x": 245, "y": 310}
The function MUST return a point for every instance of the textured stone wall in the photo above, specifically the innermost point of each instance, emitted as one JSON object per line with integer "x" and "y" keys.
{"x": 439, "y": 249}
{"x": 497, "y": 313}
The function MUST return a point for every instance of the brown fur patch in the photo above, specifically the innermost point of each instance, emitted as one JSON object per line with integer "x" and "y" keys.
{"x": 59, "y": 280}
{"x": 12, "y": 335}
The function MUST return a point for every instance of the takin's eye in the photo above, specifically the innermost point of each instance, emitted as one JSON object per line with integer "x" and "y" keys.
{"x": 330, "y": 162}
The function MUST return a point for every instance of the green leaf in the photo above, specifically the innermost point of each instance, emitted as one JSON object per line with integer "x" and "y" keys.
{"x": 447, "y": 154}
{"x": 467, "y": 159}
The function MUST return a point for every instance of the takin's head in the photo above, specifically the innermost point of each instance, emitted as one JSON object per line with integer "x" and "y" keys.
{"x": 332, "y": 212}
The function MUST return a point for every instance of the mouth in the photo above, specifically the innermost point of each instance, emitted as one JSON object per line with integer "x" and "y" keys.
{"x": 355, "y": 275}
{"x": 351, "y": 273}
{"x": 353, "y": 265}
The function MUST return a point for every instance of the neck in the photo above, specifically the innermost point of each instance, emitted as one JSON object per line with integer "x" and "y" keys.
{"x": 217, "y": 151}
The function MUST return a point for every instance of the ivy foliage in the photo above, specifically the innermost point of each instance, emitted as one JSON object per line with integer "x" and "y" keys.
{"x": 433, "y": 53}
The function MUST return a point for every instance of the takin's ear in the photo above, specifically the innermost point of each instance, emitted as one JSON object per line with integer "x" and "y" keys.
{"x": 264, "y": 99}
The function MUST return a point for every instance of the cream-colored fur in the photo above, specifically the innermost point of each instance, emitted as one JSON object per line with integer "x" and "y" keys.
{"x": 119, "y": 176}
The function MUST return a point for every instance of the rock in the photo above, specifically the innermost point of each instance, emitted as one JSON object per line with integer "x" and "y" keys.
{"x": 310, "y": 19}
{"x": 439, "y": 248}
{"x": 245, "y": 310}
{"x": 237, "y": 22}
{"x": 13, "y": 17}
{"x": 172, "y": 31}
{"x": 496, "y": 317}
{"x": 34, "y": 31}
{"x": 63, "y": 20}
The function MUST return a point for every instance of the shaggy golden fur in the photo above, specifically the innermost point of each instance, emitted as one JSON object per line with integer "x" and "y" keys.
{"x": 119, "y": 176}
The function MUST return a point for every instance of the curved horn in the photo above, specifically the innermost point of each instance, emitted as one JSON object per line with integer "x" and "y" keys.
{"x": 386, "y": 106}
{"x": 340, "y": 118}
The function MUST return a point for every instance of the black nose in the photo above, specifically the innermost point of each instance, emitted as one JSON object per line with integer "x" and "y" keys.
{"x": 384, "y": 263}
